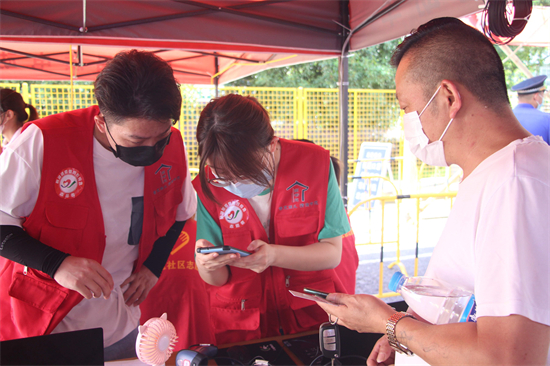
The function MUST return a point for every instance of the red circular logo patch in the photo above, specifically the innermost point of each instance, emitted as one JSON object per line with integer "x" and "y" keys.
{"x": 234, "y": 214}
{"x": 69, "y": 183}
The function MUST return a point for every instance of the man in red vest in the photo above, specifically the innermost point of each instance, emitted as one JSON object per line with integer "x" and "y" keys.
{"x": 94, "y": 200}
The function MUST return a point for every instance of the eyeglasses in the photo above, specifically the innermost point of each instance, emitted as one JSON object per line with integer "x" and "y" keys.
{"x": 223, "y": 182}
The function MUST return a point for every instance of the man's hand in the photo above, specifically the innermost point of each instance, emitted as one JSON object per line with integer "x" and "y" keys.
{"x": 382, "y": 353}
{"x": 140, "y": 284}
{"x": 363, "y": 313}
{"x": 85, "y": 276}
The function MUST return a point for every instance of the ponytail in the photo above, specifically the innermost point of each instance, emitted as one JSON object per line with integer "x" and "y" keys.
{"x": 12, "y": 100}
{"x": 34, "y": 113}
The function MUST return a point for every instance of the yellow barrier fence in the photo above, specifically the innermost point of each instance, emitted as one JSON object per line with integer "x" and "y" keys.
{"x": 296, "y": 113}
{"x": 396, "y": 220}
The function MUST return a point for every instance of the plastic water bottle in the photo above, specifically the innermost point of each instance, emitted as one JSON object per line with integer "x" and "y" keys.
{"x": 434, "y": 300}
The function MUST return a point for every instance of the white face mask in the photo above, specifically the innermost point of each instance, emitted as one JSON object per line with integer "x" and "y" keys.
{"x": 539, "y": 105}
{"x": 247, "y": 190}
{"x": 430, "y": 153}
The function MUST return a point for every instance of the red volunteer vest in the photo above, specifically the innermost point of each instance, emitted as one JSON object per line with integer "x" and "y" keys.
{"x": 251, "y": 305}
{"x": 181, "y": 293}
{"x": 67, "y": 216}
{"x": 347, "y": 269}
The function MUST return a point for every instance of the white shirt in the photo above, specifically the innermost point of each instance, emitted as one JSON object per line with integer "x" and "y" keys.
{"x": 15, "y": 135}
{"x": 117, "y": 182}
{"x": 496, "y": 242}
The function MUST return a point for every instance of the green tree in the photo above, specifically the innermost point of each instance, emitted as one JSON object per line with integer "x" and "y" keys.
{"x": 532, "y": 57}
{"x": 368, "y": 69}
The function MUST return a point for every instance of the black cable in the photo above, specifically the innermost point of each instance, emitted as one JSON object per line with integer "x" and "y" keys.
{"x": 315, "y": 359}
{"x": 253, "y": 360}
{"x": 336, "y": 362}
{"x": 233, "y": 360}
{"x": 495, "y": 22}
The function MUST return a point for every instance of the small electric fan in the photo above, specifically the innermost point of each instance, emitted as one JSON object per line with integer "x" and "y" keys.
{"x": 156, "y": 340}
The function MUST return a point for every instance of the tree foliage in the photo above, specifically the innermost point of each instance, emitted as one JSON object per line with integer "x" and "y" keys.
{"x": 368, "y": 69}
{"x": 535, "y": 58}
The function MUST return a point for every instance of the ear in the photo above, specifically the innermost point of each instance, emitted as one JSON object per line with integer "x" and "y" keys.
{"x": 273, "y": 144}
{"x": 100, "y": 123}
{"x": 9, "y": 115}
{"x": 452, "y": 95}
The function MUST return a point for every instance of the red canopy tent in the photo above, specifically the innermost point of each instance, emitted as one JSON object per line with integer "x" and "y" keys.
{"x": 201, "y": 39}
{"x": 205, "y": 41}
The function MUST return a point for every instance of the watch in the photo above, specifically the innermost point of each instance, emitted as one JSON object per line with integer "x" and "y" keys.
{"x": 390, "y": 331}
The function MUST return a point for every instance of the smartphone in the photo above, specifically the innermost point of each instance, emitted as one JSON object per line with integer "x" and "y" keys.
{"x": 315, "y": 292}
{"x": 311, "y": 297}
{"x": 226, "y": 249}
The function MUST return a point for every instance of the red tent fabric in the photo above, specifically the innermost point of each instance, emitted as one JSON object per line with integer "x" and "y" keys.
{"x": 247, "y": 36}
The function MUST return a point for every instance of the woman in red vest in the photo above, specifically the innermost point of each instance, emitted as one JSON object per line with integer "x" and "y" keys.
{"x": 347, "y": 269}
{"x": 275, "y": 199}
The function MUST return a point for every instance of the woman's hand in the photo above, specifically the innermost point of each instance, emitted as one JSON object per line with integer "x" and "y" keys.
{"x": 213, "y": 267}
{"x": 260, "y": 260}
{"x": 213, "y": 261}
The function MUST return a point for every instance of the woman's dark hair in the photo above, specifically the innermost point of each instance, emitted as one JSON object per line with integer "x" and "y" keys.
{"x": 12, "y": 100}
{"x": 138, "y": 84}
{"x": 233, "y": 134}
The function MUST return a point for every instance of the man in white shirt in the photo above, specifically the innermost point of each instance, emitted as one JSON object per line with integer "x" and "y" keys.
{"x": 92, "y": 203}
{"x": 450, "y": 83}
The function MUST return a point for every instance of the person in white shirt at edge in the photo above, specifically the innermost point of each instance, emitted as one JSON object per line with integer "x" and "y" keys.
{"x": 13, "y": 115}
{"x": 93, "y": 202}
{"x": 450, "y": 84}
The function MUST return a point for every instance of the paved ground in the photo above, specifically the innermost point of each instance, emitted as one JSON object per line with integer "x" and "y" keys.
{"x": 367, "y": 227}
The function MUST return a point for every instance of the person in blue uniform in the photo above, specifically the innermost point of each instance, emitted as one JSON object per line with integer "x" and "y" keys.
{"x": 530, "y": 98}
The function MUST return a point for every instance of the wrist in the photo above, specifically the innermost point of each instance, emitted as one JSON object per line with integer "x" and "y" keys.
{"x": 391, "y": 326}
{"x": 273, "y": 255}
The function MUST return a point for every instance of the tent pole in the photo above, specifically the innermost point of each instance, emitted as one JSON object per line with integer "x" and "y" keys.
{"x": 343, "y": 85}
{"x": 83, "y": 29}
{"x": 71, "y": 73}
{"x": 217, "y": 78}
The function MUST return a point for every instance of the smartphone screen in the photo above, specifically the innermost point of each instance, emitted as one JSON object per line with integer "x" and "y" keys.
{"x": 315, "y": 292}
{"x": 226, "y": 249}
{"x": 311, "y": 297}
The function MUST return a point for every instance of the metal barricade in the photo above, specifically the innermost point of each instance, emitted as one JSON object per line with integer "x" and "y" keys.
{"x": 384, "y": 200}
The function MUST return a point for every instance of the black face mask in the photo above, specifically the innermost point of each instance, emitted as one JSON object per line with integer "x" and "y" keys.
{"x": 140, "y": 155}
